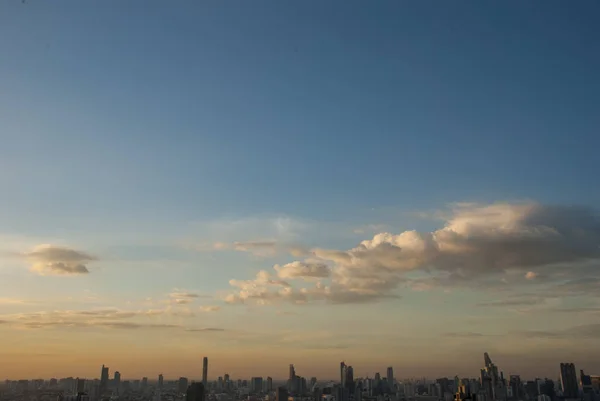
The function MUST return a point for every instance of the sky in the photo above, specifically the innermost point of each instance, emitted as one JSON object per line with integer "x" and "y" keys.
{"x": 404, "y": 184}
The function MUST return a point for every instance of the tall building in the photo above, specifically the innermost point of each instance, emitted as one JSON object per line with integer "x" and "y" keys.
{"x": 104, "y": 379}
{"x": 568, "y": 380}
{"x": 586, "y": 383}
{"x": 390, "y": 378}
{"x": 117, "y": 380}
{"x": 256, "y": 384}
{"x": 144, "y": 383}
{"x": 292, "y": 379}
{"x": 349, "y": 380}
{"x": 195, "y": 392}
{"x": 160, "y": 381}
{"x": 204, "y": 371}
{"x": 282, "y": 394}
{"x": 342, "y": 373}
{"x": 269, "y": 383}
{"x": 182, "y": 385}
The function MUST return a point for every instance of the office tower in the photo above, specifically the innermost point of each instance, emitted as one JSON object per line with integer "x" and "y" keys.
{"x": 117, "y": 380}
{"x": 568, "y": 380}
{"x": 269, "y": 383}
{"x": 291, "y": 383}
{"x": 160, "y": 381}
{"x": 515, "y": 386}
{"x": 349, "y": 380}
{"x": 256, "y": 384}
{"x": 182, "y": 385}
{"x": 342, "y": 373}
{"x": 144, "y": 383}
{"x": 104, "y": 379}
{"x": 204, "y": 371}
{"x": 282, "y": 394}
{"x": 195, "y": 392}
{"x": 586, "y": 383}
{"x": 390, "y": 378}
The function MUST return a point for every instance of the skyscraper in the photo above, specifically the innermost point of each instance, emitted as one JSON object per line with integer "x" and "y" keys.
{"x": 342, "y": 373}
{"x": 117, "y": 380}
{"x": 195, "y": 392}
{"x": 269, "y": 383}
{"x": 349, "y": 380}
{"x": 182, "y": 385}
{"x": 160, "y": 381}
{"x": 204, "y": 371}
{"x": 104, "y": 379}
{"x": 390, "y": 378}
{"x": 256, "y": 384}
{"x": 568, "y": 380}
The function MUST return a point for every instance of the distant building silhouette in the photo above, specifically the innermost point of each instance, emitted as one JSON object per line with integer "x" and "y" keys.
{"x": 568, "y": 380}
{"x": 204, "y": 371}
{"x": 104, "y": 379}
{"x": 195, "y": 392}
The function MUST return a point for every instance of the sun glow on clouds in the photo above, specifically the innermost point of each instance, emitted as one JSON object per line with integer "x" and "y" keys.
{"x": 477, "y": 244}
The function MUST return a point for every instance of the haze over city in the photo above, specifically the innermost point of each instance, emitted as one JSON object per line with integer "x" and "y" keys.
{"x": 406, "y": 184}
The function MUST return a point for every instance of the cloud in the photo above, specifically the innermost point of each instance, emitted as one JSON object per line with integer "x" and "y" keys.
{"x": 183, "y": 297}
{"x": 205, "y": 329}
{"x": 55, "y": 260}
{"x": 210, "y": 308}
{"x": 303, "y": 270}
{"x": 483, "y": 245}
{"x": 582, "y": 332}
{"x": 100, "y": 318}
{"x": 464, "y": 334}
{"x": 265, "y": 248}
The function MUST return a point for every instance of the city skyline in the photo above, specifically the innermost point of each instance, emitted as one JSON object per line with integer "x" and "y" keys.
{"x": 275, "y": 183}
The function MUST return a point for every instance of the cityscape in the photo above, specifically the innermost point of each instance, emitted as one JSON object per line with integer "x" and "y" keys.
{"x": 299, "y": 200}
{"x": 490, "y": 385}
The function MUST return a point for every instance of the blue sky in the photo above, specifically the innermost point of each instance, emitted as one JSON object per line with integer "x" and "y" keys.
{"x": 150, "y": 138}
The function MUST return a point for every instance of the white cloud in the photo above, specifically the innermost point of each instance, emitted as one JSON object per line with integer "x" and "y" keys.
{"x": 303, "y": 270}
{"x": 210, "y": 308}
{"x": 56, "y": 260}
{"x": 477, "y": 242}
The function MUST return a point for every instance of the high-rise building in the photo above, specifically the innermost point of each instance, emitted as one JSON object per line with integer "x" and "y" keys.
{"x": 349, "y": 380}
{"x": 586, "y": 383}
{"x": 204, "y": 371}
{"x": 568, "y": 380}
{"x": 269, "y": 383}
{"x": 182, "y": 385}
{"x": 256, "y": 384}
{"x": 104, "y": 379}
{"x": 144, "y": 383}
{"x": 342, "y": 373}
{"x": 117, "y": 380}
{"x": 160, "y": 381}
{"x": 515, "y": 386}
{"x": 390, "y": 378}
{"x": 282, "y": 393}
{"x": 195, "y": 392}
